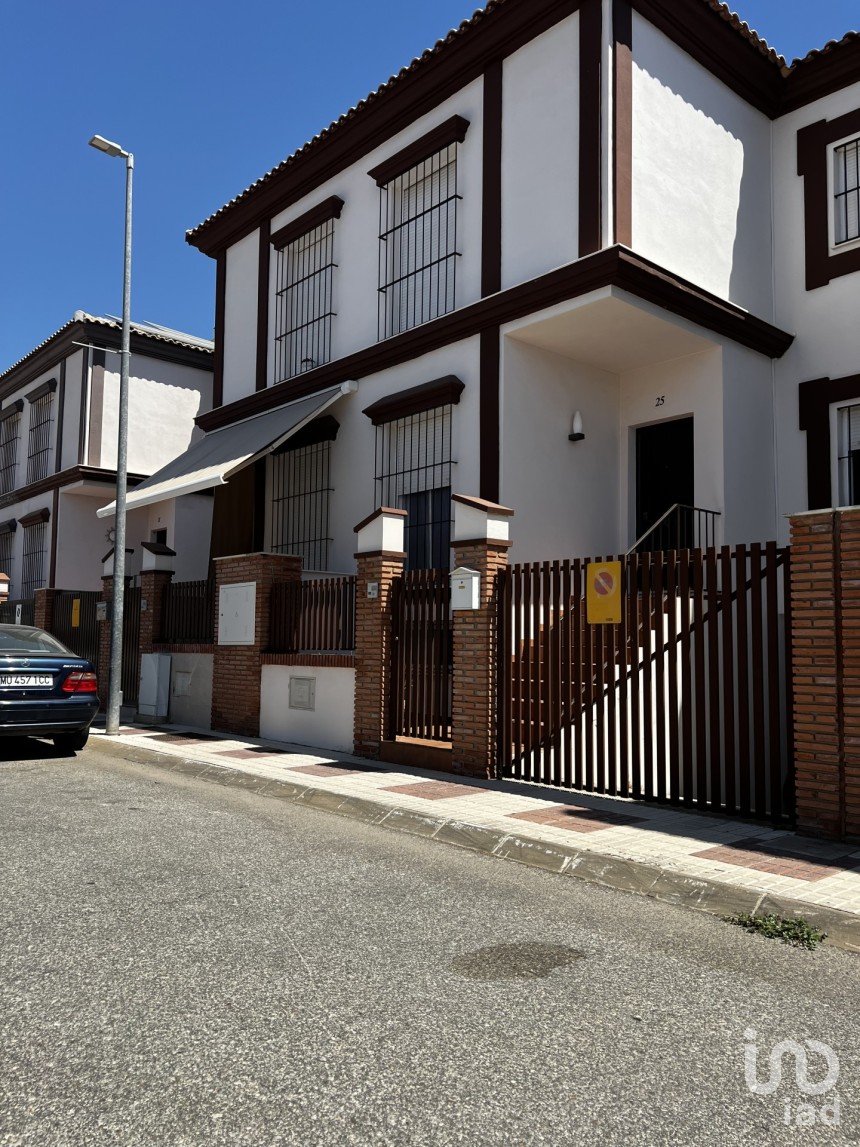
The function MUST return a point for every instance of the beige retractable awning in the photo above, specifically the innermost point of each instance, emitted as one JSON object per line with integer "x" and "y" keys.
{"x": 219, "y": 455}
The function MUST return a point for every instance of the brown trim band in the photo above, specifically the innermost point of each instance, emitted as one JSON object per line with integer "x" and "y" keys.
{"x": 61, "y": 409}
{"x": 440, "y": 392}
{"x": 814, "y": 401}
{"x": 622, "y": 118}
{"x": 330, "y": 208}
{"x": 830, "y": 70}
{"x": 40, "y": 391}
{"x": 96, "y": 411}
{"x": 614, "y": 266}
{"x": 12, "y": 409}
{"x": 489, "y": 448}
{"x": 590, "y": 127}
{"x": 37, "y": 517}
{"x": 386, "y": 555}
{"x": 66, "y": 478}
{"x": 82, "y": 412}
{"x": 52, "y": 563}
{"x": 262, "y": 366}
{"x": 453, "y": 130}
{"x": 812, "y": 144}
{"x": 9, "y": 526}
{"x": 491, "y": 182}
{"x": 220, "y": 310}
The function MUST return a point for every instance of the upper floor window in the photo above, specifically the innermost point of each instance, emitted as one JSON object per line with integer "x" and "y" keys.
{"x": 10, "y": 429}
{"x": 39, "y": 439}
{"x": 304, "y": 306}
{"x": 418, "y": 243}
{"x": 846, "y": 192}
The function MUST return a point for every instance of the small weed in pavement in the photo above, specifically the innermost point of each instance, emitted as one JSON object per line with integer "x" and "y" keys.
{"x": 799, "y": 933}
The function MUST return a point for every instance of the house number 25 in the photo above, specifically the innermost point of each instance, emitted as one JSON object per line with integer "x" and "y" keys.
{"x": 661, "y": 400}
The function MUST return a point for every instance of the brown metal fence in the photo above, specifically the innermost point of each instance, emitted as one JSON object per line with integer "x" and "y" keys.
{"x": 76, "y": 625}
{"x": 421, "y": 655}
{"x": 131, "y": 644}
{"x": 683, "y": 702}
{"x": 316, "y": 615}
{"x": 187, "y": 613}
{"x": 10, "y": 615}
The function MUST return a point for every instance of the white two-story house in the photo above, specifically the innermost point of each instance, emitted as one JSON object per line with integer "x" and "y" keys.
{"x": 591, "y": 259}
{"x": 58, "y": 446}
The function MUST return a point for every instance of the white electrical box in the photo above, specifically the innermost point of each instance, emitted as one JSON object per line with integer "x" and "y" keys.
{"x": 153, "y": 698}
{"x": 237, "y": 608}
{"x": 303, "y": 693}
{"x": 465, "y": 588}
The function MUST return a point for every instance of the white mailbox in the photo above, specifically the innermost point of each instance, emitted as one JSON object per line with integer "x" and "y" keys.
{"x": 237, "y": 605}
{"x": 465, "y": 588}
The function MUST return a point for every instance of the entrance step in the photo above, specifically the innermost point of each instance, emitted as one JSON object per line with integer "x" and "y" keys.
{"x": 417, "y": 753}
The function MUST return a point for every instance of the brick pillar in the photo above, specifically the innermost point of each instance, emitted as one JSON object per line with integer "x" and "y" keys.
{"x": 237, "y": 668}
{"x": 43, "y": 609}
{"x": 481, "y": 543}
{"x": 156, "y": 574}
{"x": 825, "y": 590}
{"x": 379, "y": 559}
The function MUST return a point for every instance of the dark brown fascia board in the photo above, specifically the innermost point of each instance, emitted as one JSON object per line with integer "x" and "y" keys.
{"x": 453, "y": 130}
{"x": 66, "y": 478}
{"x": 157, "y": 548}
{"x": 46, "y": 388}
{"x": 428, "y": 395}
{"x": 43, "y": 515}
{"x": 9, "y": 526}
{"x": 712, "y": 42}
{"x": 330, "y": 208}
{"x": 385, "y": 115}
{"x": 109, "y": 339}
{"x": 821, "y": 75}
{"x": 612, "y": 267}
{"x": 12, "y": 409}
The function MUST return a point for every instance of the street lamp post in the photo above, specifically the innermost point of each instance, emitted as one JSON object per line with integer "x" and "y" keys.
{"x": 115, "y": 678}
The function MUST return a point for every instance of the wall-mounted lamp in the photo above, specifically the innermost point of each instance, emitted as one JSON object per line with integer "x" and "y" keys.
{"x": 576, "y": 434}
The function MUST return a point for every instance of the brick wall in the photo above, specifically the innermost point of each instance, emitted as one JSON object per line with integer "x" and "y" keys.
{"x": 43, "y": 608}
{"x": 237, "y": 668}
{"x": 825, "y": 636}
{"x": 373, "y": 650}
{"x": 152, "y": 586}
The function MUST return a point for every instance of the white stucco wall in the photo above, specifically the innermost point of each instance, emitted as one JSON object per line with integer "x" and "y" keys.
{"x": 72, "y": 410}
{"x": 240, "y": 317}
{"x": 191, "y": 689}
{"x": 701, "y": 174}
{"x": 540, "y": 154}
{"x": 328, "y": 726}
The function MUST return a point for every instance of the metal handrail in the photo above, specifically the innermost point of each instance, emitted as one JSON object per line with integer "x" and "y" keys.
{"x": 678, "y": 506}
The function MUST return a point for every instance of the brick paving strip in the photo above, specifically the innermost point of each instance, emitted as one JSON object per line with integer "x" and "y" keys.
{"x": 710, "y": 864}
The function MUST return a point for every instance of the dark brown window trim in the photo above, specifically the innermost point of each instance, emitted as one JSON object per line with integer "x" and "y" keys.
{"x": 453, "y": 130}
{"x": 34, "y": 519}
{"x": 67, "y": 478}
{"x": 9, "y": 526}
{"x": 489, "y": 452}
{"x": 440, "y": 392}
{"x": 220, "y": 311}
{"x": 613, "y": 266}
{"x": 61, "y": 409}
{"x": 812, "y": 144}
{"x": 322, "y": 429}
{"x": 491, "y": 182}
{"x": 590, "y": 127}
{"x": 330, "y": 208}
{"x": 52, "y": 563}
{"x": 815, "y": 399}
{"x": 263, "y": 307}
{"x": 46, "y": 388}
{"x": 82, "y": 412}
{"x": 622, "y": 112}
{"x": 12, "y": 409}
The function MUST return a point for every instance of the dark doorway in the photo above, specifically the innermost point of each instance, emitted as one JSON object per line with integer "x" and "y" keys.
{"x": 664, "y": 470}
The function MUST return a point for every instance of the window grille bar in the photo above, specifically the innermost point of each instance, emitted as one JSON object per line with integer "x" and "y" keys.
{"x": 847, "y": 192}
{"x": 9, "y": 433}
{"x": 304, "y": 302}
{"x": 299, "y": 505}
{"x": 33, "y": 565}
{"x": 7, "y": 556}
{"x": 39, "y": 440}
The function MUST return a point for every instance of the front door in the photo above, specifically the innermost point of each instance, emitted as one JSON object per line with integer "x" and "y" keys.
{"x": 664, "y": 470}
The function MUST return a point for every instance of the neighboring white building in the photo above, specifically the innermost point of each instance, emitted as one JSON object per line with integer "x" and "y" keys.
{"x": 58, "y": 441}
{"x": 637, "y": 212}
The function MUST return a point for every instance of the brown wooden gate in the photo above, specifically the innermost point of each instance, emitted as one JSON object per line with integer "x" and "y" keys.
{"x": 684, "y": 702}
{"x": 421, "y": 645}
{"x": 83, "y": 638}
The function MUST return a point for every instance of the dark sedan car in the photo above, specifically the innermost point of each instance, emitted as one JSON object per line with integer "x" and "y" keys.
{"x": 45, "y": 690}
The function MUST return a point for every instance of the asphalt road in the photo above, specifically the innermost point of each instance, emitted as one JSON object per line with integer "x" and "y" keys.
{"x": 187, "y": 964}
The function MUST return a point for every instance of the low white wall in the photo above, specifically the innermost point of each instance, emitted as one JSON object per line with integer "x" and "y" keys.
{"x": 328, "y": 726}
{"x": 194, "y": 707}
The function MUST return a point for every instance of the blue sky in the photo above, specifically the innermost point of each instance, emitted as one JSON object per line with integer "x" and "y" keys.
{"x": 209, "y": 94}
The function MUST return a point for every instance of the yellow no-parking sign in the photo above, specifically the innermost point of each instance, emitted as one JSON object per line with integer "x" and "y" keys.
{"x": 76, "y": 613}
{"x": 603, "y": 593}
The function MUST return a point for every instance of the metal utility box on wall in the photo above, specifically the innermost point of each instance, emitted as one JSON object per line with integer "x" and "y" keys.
{"x": 153, "y": 698}
{"x": 237, "y": 608}
{"x": 302, "y": 693}
{"x": 465, "y": 588}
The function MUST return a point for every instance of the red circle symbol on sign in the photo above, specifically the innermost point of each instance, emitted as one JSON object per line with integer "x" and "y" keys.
{"x": 604, "y": 583}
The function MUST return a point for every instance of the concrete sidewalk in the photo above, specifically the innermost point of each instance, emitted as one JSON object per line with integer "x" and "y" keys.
{"x": 711, "y": 864}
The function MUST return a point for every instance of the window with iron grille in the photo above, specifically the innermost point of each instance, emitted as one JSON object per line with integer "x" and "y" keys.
{"x": 9, "y": 432}
{"x": 846, "y": 192}
{"x": 848, "y": 454}
{"x": 33, "y": 563}
{"x": 304, "y": 302}
{"x": 7, "y": 555}
{"x": 418, "y": 243}
{"x": 413, "y": 473}
{"x": 39, "y": 441}
{"x": 299, "y": 503}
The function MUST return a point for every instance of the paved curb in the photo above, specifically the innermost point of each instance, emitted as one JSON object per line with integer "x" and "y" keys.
{"x": 660, "y": 882}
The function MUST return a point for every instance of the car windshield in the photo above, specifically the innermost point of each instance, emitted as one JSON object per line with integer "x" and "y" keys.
{"x": 24, "y": 639}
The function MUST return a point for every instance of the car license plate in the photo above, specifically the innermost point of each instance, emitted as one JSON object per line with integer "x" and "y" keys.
{"x": 26, "y": 680}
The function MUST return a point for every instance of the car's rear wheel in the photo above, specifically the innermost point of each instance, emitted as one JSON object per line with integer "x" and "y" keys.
{"x": 71, "y": 742}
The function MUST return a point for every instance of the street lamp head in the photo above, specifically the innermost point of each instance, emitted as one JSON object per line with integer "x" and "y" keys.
{"x": 101, "y": 144}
